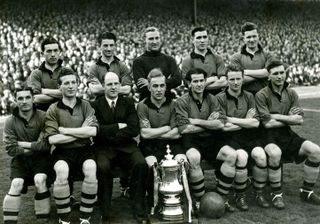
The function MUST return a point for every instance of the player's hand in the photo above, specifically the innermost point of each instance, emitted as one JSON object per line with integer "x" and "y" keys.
{"x": 214, "y": 116}
{"x": 122, "y": 125}
{"x": 142, "y": 82}
{"x": 27, "y": 152}
{"x": 62, "y": 130}
{"x": 193, "y": 121}
{"x": 295, "y": 110}
{"x": 89, "y": 121}
{"x": 251, "y": 113}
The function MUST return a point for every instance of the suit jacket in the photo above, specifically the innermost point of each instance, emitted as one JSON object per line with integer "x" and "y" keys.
{"x": 110, "y": 137}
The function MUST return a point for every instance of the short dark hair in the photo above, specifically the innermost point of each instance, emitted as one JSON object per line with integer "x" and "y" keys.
{"x": 274, "y": 64}
{"x": 107, "y": 35}
{"x": 248, "y": 26}
{"x": 150, "y": 29}
{"x": 65, "y": 72}
{"x": 23, "y": 87}
{"x": 156, "y": 72}
{"x": 194, "y": 71}
{"x": 197, "y": 29}
{"x": 49, "y": 40}
{"x": 234, "y": 68}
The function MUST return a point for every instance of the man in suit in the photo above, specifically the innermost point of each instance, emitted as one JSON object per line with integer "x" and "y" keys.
{"x": 115, "y": 146}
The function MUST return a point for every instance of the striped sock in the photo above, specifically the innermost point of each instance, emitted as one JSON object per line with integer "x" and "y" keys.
{"x": 196, "y": 180}
{"x": 61, "y": 194}
{"x": 42, "y": 204}
{"x": 88, "y": 197}
{"x": 225, "y": 178}
{"x": 11, "y": 205}
{"x": 311, "y": 172}
{"x": 275, "y": 179}
{"x": 260, "y": 176}
{"x": 240, "y": 179}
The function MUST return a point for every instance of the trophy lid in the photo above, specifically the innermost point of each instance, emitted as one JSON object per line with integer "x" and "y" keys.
{"x": 169, "y": 161}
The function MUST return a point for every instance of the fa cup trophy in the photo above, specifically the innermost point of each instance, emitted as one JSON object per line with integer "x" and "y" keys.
{"x": 170, "y": 181}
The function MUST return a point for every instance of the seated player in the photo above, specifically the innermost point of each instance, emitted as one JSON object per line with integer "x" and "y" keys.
{"x": 242, "y": 133}
{"x": 279, "y": 108}
{"x": 24, "y": 141}
{"x": 200, "y": 120}
{"x": 70, "y": 123}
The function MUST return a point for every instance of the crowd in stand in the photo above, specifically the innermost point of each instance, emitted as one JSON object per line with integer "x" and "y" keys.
{"x": 289, "y": 29}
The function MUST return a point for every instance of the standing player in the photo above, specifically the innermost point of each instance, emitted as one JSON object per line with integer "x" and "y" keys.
{"x": 203, "y": 57}
{"x": 241, "y": 133}
{"x": 279, "y": 108}
{"x": 108, "y": 62}
{"x": 252, "y": 59}
{"x": 44, "y": 79}
{"x": 198, "y": 117}
{"x": 153, "y": 58}
{"x": 23, "y": 140}
{"x": 70, "y": 123}
{"x": 115, "y": 146}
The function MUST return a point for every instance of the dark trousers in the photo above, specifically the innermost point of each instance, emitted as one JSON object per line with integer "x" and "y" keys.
{"x": 133, "y": 162}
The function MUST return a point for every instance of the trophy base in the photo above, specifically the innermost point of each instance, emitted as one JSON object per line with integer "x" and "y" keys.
{"x": 160, "y": 220}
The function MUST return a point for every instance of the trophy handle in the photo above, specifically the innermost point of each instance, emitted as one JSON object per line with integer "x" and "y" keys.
{"x": 186, "y": 189}
{"x": 156, "y": 181}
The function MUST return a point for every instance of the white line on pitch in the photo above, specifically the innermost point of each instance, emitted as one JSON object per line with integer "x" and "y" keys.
{"x": 311, "y": 110}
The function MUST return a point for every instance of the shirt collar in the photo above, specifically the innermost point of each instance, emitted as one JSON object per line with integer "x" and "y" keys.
{"x": 15, "y": 112}
{"x": 285, "y": 86}
{"x": 194, "y": 55}
{"x": 205, "y": 94}
{"x": 100, "y": 62}
{"x": 229, "y": 96}
{"x": 61, "y": 105}
{"x": 110, "y": 101}
{"x": 44, "y": 69}
{"x": 245, "y": 52}
{"x": 149, "y": 103}
{"x": 152, "y": 53}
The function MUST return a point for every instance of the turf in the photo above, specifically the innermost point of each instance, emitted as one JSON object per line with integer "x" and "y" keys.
{"x": 296, "y": 212}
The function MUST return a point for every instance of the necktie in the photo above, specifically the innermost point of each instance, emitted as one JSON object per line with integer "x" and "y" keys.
{"x": 113, "y": 106}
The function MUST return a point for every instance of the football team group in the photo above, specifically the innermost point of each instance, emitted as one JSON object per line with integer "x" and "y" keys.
{"x": 237, "y": 117}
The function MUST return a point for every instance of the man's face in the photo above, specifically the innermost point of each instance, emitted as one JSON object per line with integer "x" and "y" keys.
{"x": 153, "y": 42}
{"x": 111, "y": 85}
{"x": 277, "y": 75}
{"x": 69, "y": 86}
{"x": 107, "y": 47}
{"x": 157, "y": 88}
{"x": 51, "y": 53}
{"x": 251, "y": 39}
{"x": 24, "y": 100}
{"x": 201, "y": 40}
{"x": 235, "y": 80}
{"x": 197, "y": 83}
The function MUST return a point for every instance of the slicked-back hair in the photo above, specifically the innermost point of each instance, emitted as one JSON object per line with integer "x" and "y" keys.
{"x": 194, "y": 71}
{"x": 150, "y": 29}
{"x": 234, "y": 68}
{"x": 154, "y": 73}
{"x": 198, "y": 29}
{"x": 274, "y": 64}
{"x": 49, "y": 40}
{"x": 65, "y": 72}
{"x": 23, "y": 87}
{"x": 108, "y": 36}
{"x": 248, "y": 26}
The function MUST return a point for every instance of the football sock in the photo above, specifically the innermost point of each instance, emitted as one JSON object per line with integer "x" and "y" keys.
{"x": 42, "y": 204}
{"x": 225, "y": 178}
{"x": 260, "y": 176}
{"x": 275, "y": 179}
{"x": 61, "y": 194}
{"x": 11, "y": 205}
{"x": 311, "y": 172}
{"x": 240, "y": 179}
{"x": 88, "y": 197}
{"x": 196, "y": 180}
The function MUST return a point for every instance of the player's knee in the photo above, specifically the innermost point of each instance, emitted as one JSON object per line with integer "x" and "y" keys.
{"x": 40, "y": 180}
{"x": 16, "y": 185}
{"x": 151, "y": 160}
{"x": 228, "y": 155}
{"x": 312, "y": 151}
{"x": 259, "y": 156}
{"x": 274, "y": 152}
{"x": 181, "y": 157}
{"x": 242, "y": 158}
{"x": 62, "y": 171}
{"x": 194, "y": 157}
{"x": 89, "y": 168}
